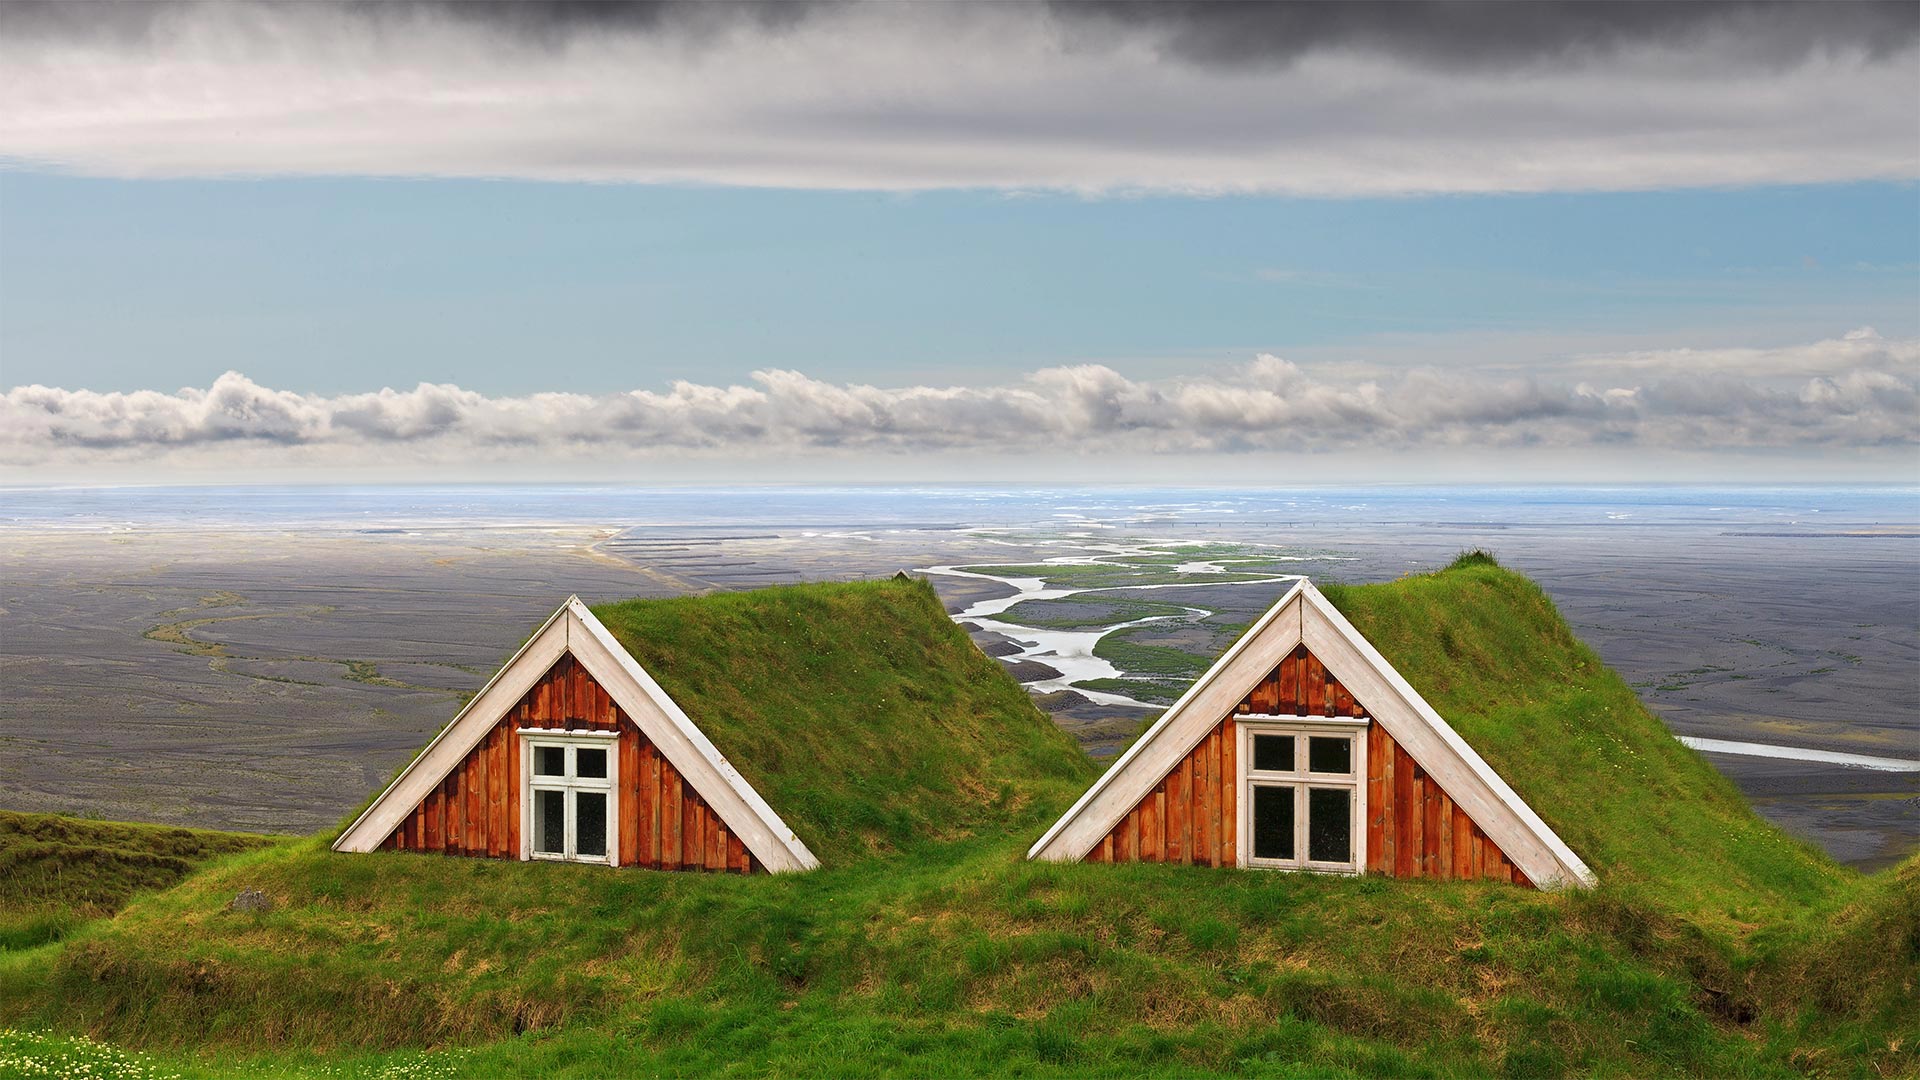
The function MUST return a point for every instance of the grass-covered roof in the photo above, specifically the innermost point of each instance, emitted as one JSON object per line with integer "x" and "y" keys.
{"x": 1487, "y": 648}
{"x": 1714, "y": 945}
{"x": 858, "y": 710}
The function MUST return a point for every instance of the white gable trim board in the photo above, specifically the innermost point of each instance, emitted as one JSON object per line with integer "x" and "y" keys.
{"x": 1304, "y": 615}
{"x": 575, "y": 630}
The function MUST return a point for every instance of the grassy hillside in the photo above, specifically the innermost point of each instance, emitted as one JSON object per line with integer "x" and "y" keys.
{"x": 57, "y": 873}
{"x": 861, "y": 712}
{"x": 1488, "y": 649}
{"x": 1715, "y": 946}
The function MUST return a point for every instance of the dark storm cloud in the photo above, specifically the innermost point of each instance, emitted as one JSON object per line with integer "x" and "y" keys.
{"x": 1310, "y": 98}
{"x": 1449, "y": 34}
{"x": 1478, "y": 34}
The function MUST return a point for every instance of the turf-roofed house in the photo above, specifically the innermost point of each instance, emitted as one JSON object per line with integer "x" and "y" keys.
{"x": 1303, "y": 749}
{"x": 573, "y": 752}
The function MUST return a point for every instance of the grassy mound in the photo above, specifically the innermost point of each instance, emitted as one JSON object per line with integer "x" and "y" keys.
{"x": 860, "y": 711}
{"x": 59, "y": 872}
{"x": 1714, "y": 946}
{"x": 1488, "y": 649}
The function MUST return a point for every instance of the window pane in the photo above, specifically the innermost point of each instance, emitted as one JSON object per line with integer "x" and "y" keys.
{"x": 1329, "y": 825}
{"x": 550, "y": 822}
{"x": 1273, "y": 753}
{"x": 1329, "y": 755}
{"x": 590, "y": 762}
{"x": 1272, "y": 822}
{"x": 590, "y": 820}
{"x": 549, "y": 761}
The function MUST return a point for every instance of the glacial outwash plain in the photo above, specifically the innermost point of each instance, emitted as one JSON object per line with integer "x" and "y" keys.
{"x": 244, "y": 670}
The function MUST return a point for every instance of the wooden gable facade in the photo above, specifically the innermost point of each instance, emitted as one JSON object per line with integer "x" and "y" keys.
{"x": 1413, "y": 828}
{"x": 665, "y": 798}
{"x": 1423, "y": 804}
{"x": 663, "y": 823}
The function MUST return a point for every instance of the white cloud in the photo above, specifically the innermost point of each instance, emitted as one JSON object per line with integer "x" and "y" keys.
{"x": 1269, "y": 405}
{"x": 902, "y": 97}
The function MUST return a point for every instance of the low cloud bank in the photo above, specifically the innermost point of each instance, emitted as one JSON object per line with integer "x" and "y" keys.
{"x": 1860, "y": 392}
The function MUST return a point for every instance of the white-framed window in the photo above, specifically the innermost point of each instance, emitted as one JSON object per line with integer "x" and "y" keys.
{"x": 1303, "y": 793}
{"x": 568, "y": 807}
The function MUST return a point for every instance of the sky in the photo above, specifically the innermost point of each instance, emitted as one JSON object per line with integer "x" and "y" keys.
{"x": 1244, "y": 243}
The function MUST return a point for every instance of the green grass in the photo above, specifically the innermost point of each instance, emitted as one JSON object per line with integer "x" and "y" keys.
{"x": 57, "y": 873}
{"x": 860, "y": 711}
{"x": 1157, "y": 692}
{"x": 1714, "y": 946}
{"x": 1107, "y": 575}
{"x": 1086, "y": 611}
{"x": 1488, "y": 649}
{"x": 1124, "y": 650}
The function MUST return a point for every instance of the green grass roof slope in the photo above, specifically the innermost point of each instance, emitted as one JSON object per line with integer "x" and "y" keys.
{"x": 1488, "y": 649}
{"x": 58, "y": 872}
{"x": 859, "y": 710}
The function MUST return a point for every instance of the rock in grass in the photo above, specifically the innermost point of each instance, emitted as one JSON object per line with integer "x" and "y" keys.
{"x": 250, "y": 900}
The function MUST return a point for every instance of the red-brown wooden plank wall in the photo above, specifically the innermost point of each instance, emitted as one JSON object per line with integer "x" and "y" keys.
{"x": 1414, "y": 829}
{"x": 664, "y": 823}
{"x": 1188, "y": 816}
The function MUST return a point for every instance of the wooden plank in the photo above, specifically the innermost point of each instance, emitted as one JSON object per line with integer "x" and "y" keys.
{"x": 1289, "y": 684}
{"x": 1172, "y": 817}
{"x": 626, "y": 797}
{"x": 456, "y": 795}
{"x": 696, "y": 830}
{"x": 1462, "y": 843}
{"x": 1214, "y": 798}
{"x": 1316, "y": 687}
{"x": 453, "y": 813}
{"x": 1207, "y": 774}
{"x": 1422, "y": 849}
{"x": 1129, "y": 846}
{"x": 643, "y": 801}
{"x": 716, "y": 842}
{"x": 477, "y": 806}
{"x": 1405, "y": 846}
{"x": 1443, "y": 850}
{"x": 1479, "y": 853}
{"x": 1301, "y": 656}
{"x": 1189, "y": 810}
{"x": 1160, "y": 822}
{"x": 439, "y": 819}
{"x": 1431, "y": 829}
{"x": 674, "y": 846}
{"x": 1390, "y": 794}
{"x": 1266, "y": 693}
{"x": 1229, "y": 793}
{"x": 1106, "y": 849}
{"x": 1151, "y": 837}
{"x": 656, "y": 814}
{"x": 496, "y": 792}
{"x": 1376, "y": 804}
